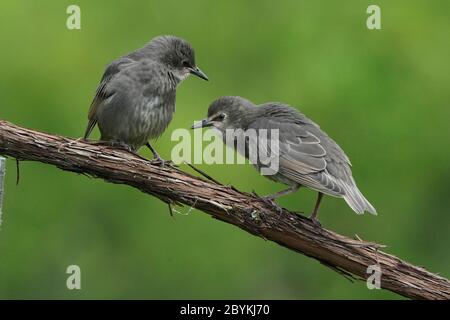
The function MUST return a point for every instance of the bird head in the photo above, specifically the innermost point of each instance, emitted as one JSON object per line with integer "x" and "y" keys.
{"x": 177, "y": 54}
{"x": 227, "y": 113}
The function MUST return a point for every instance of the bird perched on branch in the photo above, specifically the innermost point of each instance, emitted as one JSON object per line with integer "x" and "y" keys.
{"x": 135, "y": 99}
{"x": 306, "y": 155}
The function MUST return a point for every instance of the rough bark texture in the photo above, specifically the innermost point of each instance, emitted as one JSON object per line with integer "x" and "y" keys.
{"x": 347, "y": 256}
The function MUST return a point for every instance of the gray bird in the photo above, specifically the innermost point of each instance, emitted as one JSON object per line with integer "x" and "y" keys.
{"x": 135, "y": 99}
{"x": 307, "y": 155}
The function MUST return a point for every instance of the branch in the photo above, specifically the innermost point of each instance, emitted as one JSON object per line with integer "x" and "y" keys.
{"x": 347, "y": 256}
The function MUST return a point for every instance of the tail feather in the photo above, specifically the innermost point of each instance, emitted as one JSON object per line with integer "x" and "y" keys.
{"x": 357, "y": 201}
{"x": 89, "y": 128}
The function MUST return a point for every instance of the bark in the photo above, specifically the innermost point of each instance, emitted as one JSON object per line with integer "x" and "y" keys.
{"x": 350, "y": 257}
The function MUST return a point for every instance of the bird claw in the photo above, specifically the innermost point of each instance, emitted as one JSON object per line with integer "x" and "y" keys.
{"x": 162, "y": 163}
{"x": 114, "y": 144}
{"x": 272, "y": 202}
{"x": 122, "y": 146}
{"x": 268, "y": 200}
{"x": 315, "y": 221}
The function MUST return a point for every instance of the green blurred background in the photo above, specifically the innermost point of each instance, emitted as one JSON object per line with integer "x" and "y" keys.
{"x": 383, "y": 95}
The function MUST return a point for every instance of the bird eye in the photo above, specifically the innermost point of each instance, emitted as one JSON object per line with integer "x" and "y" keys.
{"x": 220, "y": 117}
{"x": 185, "y": 63}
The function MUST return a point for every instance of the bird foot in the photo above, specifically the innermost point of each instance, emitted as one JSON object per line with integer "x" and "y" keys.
{"x": 315, "y": 221}
{"x": 122, "y": 145}
{"x": 271, "y": 201}
{"x": 114, "y": 144}
{"x": 163, "y": 163}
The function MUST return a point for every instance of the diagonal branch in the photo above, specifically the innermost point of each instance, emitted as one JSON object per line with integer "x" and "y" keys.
{"x": 349, "y": 257}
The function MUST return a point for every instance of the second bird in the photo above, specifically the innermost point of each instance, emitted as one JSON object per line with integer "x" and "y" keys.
{"x": 307, "y": 156}
{"x": 135, "y": 99}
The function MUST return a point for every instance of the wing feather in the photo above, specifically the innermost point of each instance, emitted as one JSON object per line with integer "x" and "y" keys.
{"x": 102, "y": 93}
{"x": 305, "y": 152}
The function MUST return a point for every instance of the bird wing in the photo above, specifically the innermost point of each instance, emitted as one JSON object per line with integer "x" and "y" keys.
{"x": 306, "y": 154}
{"x": 102, "y": 93}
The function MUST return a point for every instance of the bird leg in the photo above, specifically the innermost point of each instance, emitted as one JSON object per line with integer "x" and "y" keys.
{"x": 270, "y": 199}
{"x": 313, "y": 216}
{"x": 272, "y": 203}
{"x": 156, "y": 156}
{"x": 282, "y": 192}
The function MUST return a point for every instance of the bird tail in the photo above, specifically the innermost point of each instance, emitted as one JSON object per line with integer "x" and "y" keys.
{"x": 90, "y": 127}
{"x": 357, "y": 201}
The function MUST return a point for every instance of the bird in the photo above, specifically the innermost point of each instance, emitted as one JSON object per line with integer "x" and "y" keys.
{"x": 307, "y": 155}
{"x": 135, "y": 100}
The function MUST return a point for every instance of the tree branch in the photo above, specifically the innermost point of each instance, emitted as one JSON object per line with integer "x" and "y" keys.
{"x": 348, "y": 256}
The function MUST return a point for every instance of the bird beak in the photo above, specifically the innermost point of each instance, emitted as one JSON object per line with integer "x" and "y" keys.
{"x": 199, "y": 73}
{"x": 202, "y": 124}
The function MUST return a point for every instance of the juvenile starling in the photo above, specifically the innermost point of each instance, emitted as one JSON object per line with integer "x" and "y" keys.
{"x": 307, "y": 155}
{"x": 135, "y": 99}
